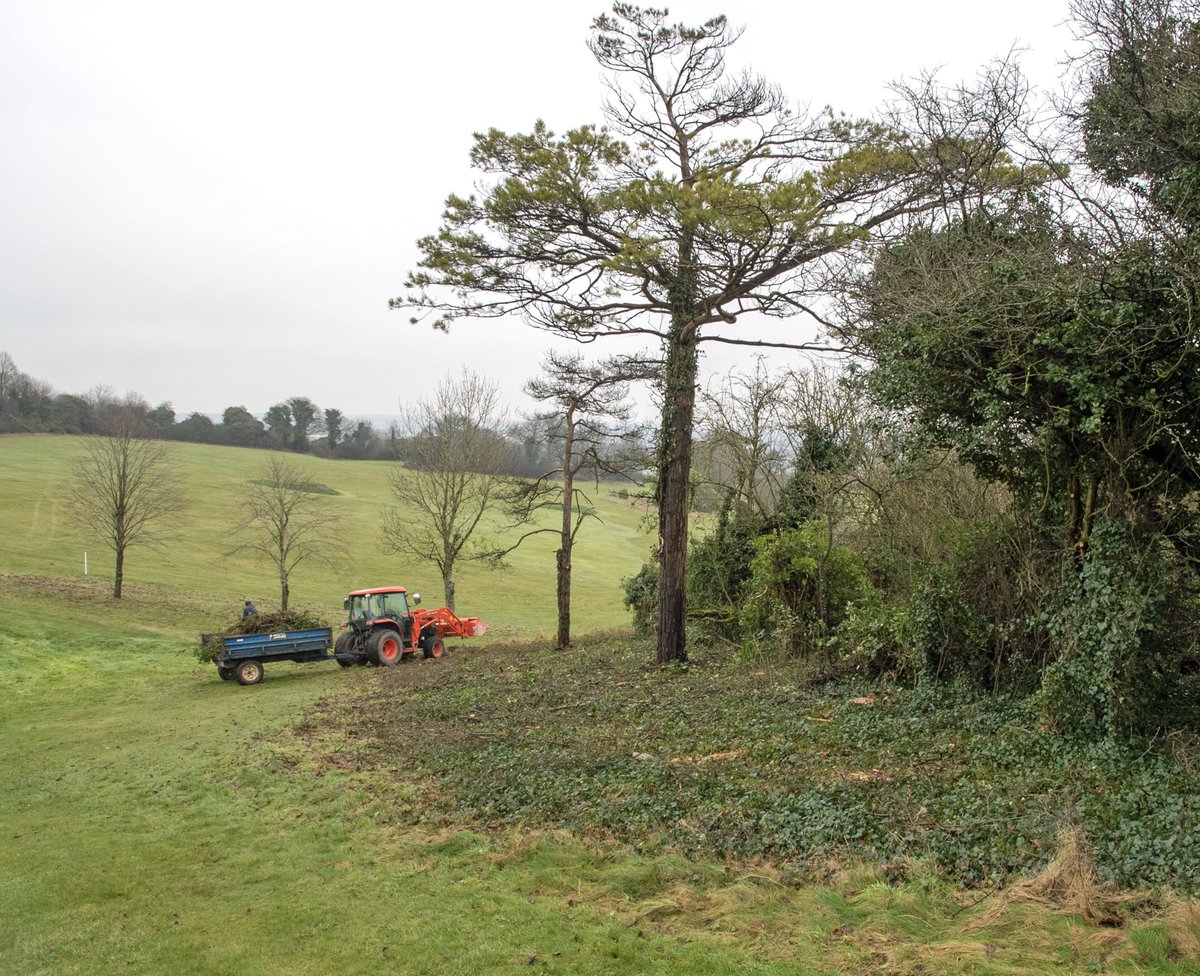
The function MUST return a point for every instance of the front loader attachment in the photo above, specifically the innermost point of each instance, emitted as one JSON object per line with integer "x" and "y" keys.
{"x": 446, "y": 623}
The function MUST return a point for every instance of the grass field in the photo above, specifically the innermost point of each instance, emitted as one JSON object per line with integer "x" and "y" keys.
{"x": 156, "y": 819}
{"x": 154, "y": 822}
{"x": 38, "y": 538}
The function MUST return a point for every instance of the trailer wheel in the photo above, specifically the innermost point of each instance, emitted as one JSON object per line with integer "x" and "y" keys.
{"x": 249, "y": 673}
{"x": 386, "y": 648}
{"x": 434, "y": 647}
{"x": 225, "y": 673}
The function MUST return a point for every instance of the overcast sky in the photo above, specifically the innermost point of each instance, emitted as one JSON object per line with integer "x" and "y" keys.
{"x": 211, "y": 203}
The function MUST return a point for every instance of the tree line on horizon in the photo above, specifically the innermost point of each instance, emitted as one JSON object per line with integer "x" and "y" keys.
{"x": 29, "y": 405}
{"x": 295, "y": 425}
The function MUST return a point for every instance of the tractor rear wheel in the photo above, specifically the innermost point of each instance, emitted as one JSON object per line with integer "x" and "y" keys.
{"x": 342, "y": 646}
{"x": 249, "y": 672}
{"x": 385, "y": 648}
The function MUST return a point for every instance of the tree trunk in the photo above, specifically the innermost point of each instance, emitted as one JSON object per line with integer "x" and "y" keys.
{"x": 674, "y": 490}
{"x": 283, "y": 593}
{"x": 563, "y": 556}
{"x": 119, "y": 575}
{"x": 448, "y": 585}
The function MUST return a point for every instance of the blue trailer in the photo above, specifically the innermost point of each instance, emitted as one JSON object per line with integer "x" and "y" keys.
{"x": 242, "y": 657}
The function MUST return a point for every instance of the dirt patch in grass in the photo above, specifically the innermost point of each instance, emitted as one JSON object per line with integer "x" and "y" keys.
{"x": 74, "y": 589}
{"x": 149, "y": 605}
{"x": 166, "y": 610}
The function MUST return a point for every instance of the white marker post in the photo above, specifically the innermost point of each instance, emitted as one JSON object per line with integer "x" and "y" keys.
{"x": 85, "y": 564}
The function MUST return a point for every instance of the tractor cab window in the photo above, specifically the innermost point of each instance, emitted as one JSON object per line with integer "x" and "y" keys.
{"x": 393, "y": 605}
{"x": 374, "y": 606}
{"x": 363, "y": 608}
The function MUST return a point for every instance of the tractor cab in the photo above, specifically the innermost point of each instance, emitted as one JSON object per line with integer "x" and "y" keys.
{"x": 364, "y": 607}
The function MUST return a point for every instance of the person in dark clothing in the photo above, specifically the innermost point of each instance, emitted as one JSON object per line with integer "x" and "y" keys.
{"x": 249, "y": 610}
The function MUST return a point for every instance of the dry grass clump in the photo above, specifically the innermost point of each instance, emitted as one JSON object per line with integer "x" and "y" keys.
{"x": 1068, "y": 885}
{"x": 1182, "y": 922}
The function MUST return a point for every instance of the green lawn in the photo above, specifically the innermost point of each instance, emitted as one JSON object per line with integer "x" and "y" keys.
{"x": 156, "y": 819}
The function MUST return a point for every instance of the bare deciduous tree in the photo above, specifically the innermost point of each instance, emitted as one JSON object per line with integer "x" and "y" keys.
{"x": 282, "y": 520}
{"x": 125, "y": 487}
{"x": 739, "y": 446}
{"x": 454, "y": 469}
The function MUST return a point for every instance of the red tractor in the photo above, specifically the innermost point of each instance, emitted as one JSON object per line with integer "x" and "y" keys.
{"x": 382, "y": 629}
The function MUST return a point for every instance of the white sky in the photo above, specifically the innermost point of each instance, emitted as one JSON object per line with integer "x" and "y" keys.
{"x": 211, "y": 203}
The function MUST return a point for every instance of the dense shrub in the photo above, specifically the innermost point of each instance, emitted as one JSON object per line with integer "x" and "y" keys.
{"x": 978, "y": 615}
{"x": 1125, "y": 633}
{"x": 800, "y": 588}
{"x": 719, "y": 568}
{"x": 780, "y": 590}
{"x": 1107, "y": 641}
{"x": 641, "y": 595}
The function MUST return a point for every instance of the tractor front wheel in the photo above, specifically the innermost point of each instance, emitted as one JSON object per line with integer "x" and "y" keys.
{"x": 434, "y": 647}
{"x": 249, "y": 673}
{"x": 385, "y": 648}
